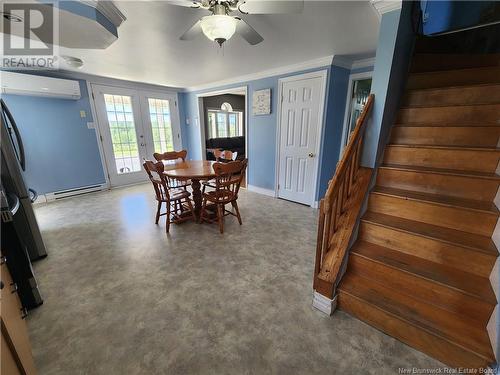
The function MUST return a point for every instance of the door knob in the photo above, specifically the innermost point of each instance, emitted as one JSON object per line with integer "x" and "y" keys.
{"x": 311, "y": 155}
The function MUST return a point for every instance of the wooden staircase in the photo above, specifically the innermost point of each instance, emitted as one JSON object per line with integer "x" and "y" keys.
{"x": 419, "y": 270}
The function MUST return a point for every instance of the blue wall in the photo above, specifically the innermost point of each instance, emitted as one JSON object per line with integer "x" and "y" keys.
{"x": 332, "y": 139}
{"x": 392, "y": 61}
{"x": 61, "y": 152}
{"x": 262, "y": 129}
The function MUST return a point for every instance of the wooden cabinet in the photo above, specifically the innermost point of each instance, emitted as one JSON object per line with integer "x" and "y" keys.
{"x": 16, "y": 356}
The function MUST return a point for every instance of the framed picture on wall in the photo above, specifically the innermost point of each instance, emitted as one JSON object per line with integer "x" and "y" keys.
{"x": 261, "y": 102}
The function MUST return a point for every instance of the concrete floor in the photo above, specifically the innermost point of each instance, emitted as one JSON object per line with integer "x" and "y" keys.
{"x": 123, "y": 298}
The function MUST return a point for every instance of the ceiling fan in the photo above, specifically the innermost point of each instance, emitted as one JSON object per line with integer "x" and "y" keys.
{"x": 220, "y": 26}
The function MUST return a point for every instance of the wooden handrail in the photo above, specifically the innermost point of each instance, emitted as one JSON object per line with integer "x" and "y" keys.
{"x": 340, "y": 207}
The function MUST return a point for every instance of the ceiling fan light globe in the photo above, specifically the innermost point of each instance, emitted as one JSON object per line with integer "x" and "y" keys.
{"x": 218, "y": 27}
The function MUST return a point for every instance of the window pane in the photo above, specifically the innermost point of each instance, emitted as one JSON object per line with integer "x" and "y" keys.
{"x": 161, "y": 124}
{"x": 224, "y": 124}
{"x": 233, "y": 128}
{"x": 123, "y": 136}
{"x": 221, "y": 124}
{"x": 212, "y": 131}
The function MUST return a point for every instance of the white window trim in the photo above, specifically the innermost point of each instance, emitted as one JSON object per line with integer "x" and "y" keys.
{"x": 350, "y": 87}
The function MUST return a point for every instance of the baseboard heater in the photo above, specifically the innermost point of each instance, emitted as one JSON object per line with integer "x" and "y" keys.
{"x": 71, "y": 192}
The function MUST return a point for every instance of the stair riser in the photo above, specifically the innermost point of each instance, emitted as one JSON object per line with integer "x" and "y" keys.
{"x": 469, "y": 221}
{"x": 488, "y": 94}
{"x": 466, "y": 187}
{"x": 446, "y": 136}
{"x": 454, "y": 78}
{"x": 436, "y": 62}
{"x": 419, "y": 313}
{"x": 484, "y": 115}
{"x": 432, "y": 345}
{"x": 438, "y": 294}
{"x": 428, "y": 248}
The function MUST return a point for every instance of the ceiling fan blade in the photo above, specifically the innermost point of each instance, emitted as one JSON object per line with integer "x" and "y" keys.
{"x": 247, "y": 32}
{"x": 193, "y": 32}
{"x": 270, "y": 6}
{"x": 186, "y": 3}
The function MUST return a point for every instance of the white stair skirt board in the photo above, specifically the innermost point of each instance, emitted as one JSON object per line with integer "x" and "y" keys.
{"x": 259, "y": 190}
{"x": 49, "y": 197}
{"x": 324, "y": 304}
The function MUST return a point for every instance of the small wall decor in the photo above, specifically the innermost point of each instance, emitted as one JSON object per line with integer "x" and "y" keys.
{"x": 261, "y": 104}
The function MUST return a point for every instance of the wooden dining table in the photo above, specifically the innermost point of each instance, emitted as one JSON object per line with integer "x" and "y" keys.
{"x": 194, "y": 170}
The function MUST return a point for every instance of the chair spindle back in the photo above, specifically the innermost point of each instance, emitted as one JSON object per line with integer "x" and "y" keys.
{"x": 229, "y": 176}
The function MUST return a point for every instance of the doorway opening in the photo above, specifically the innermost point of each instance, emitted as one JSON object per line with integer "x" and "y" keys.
{"x": 223, "y": 123}
{"x": 359, "y": 89}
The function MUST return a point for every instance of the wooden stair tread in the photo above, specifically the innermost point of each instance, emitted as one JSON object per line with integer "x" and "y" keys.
{"x": 481, "y": 114}
{"x": 443, "y": 124}
{"x": 474, "y": 242}
{"x": 485, "y": 207}
{"x": 475, "y": 85}
{"x": 472, "y": 94}
{"x": 446, "y": 147}
{"x": 472, "y": 285}
{"x": 454, "y": 172}
{"x": 419, "y": 313}
{"x": 465, "y": 71}
{"x": 450, "y": 106}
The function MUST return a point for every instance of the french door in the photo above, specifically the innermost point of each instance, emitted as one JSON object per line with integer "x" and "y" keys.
{"x": 134, "y": 125}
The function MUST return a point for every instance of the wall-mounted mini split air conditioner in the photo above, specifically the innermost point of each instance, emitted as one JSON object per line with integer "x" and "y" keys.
{"x": 32, "y": 85}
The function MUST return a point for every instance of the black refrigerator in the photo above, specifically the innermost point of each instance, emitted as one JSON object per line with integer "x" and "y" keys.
{"x": 22, "y": 241}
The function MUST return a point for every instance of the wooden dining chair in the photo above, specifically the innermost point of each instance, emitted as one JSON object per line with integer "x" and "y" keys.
{"x": 172, "y": 156}
{"x": 217, "y": 153}
{"x": 227, "y": 185}
{"x": 227, "y": 155}
{"x": 177, "y": 201}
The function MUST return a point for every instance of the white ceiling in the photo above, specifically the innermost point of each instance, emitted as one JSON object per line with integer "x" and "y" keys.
{"x": 149, "y": 50}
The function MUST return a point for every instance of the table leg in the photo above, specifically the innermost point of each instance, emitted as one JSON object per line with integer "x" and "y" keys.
{"x": 195, "y": 185}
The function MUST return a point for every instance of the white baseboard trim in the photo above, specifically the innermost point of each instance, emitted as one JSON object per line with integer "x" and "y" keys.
{"x": 259, "y": 190}
{"x": 315, "y": 204}
{"x": 324, "y": 304}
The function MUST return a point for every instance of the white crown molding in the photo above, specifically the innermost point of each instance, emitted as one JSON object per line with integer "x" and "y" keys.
{"x": 385, "y": 6}
{"x": 342, "y": 61}
{"x": 350, "y": 64}
{"x": 311, "y": 64}
{"x": 364, "y": 63}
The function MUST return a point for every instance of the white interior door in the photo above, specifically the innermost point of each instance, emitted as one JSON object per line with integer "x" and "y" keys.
{"x": 300, "y": 122}
{"x": 119, "y": 115}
